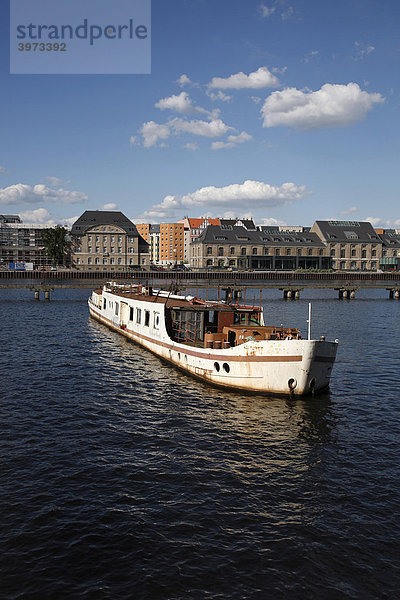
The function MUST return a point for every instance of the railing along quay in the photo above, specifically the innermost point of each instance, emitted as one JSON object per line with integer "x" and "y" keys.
{"x": 290, "y": 282}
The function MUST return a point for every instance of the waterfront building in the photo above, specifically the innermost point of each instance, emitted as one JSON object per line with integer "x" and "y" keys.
{"x": 235, "y": 246}
{"x": 192, "y": 229}
{"x": 22, "y": 242}
{"x": 390, "y": 249}
{"x": 107, "y": 240}
{"x": 350, "y": 244}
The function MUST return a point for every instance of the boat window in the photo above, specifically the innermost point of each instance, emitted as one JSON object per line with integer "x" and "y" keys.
{"x": 147, "y": 318}
{"x": 226, "y": 367}
{"x": 116, "y": 308}
{"x": 104, "y": 303}
{"x": 156, "y": 320}
{"x": 216, "y": 366}
{"x": 138, "y": 315}
{"x": 131, "y": 313}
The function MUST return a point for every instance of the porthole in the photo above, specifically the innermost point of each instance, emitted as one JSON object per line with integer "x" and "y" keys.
{"x": 226, "y": 367}
{"x": 179, "y": 356}
{"x": 216, "y": 367}
{"x": 292, "y": 383}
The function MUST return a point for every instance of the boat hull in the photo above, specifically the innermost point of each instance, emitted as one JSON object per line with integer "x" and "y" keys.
{"x": 289, "y": 367}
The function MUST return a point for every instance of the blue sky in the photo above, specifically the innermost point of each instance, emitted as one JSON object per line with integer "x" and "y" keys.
{"x": 285, "y": 110}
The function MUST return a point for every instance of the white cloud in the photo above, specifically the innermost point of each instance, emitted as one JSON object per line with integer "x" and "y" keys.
{"x": 265, "y": 11}
{"x": 254, "y": 194}
{"x": 363, "y": 50}
{"x": 306, "y": 59}
{"x": 270, "y": 222}
{"x": 21, "y": 193}
{"x": 179, "y": 103}
{"x": 3, "y": 169}
{"x": 110, "y": 206}
{"x": 152, "y": 132}
{"x": 133, "y": 140}
{"x": 288, "y": 13}
{"x": 213, "y": 128}
{"x": 183, "y": 80}
{"x": 42, "y": 216}
{"x": 349, "y": 211}
{"x": 233, "y": 140}
{"x": 219, "y": 96}
{"x": 256, "y": 99}
{"x": 191, "y": 146}
{"x": 331, "y": 106}
{"x": 258, "y": 79}
{"x": 38, "y": 215}
{"x": 54, "y": 181}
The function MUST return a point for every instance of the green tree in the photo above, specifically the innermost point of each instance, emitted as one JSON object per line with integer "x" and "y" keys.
{"x": 54, "y": 242}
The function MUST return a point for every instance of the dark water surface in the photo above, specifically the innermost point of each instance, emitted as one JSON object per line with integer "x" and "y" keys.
{"x": 123, "y": 478}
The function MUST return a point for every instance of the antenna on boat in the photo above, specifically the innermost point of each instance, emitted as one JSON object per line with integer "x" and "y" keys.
{"x": 309, "y": 320}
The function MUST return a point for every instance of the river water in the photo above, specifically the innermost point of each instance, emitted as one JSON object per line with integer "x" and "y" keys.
{"x": 123, "y": 478}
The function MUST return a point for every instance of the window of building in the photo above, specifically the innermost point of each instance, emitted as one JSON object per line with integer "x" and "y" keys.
{"x": 254, "y": 251}
{"x": 354, "y": 252}
{"x": 298, "y": 251}
{"x": 120, "y": 238}
{"x": 89, "y": 249}
{"x": 78, "y": 261}
{"x": 97, "y": 238}
{"x": 97, "y": 261}
{"x": 104, "y": 239}
{"x": 277, "y": 252}
{"x": 364, "y": 254}
{"x": 232, "y": 262}
{"x": 220, "y": 251}
{"x": 363, "y": 266}
{"x": 343, "y": 254}
{"x": 353, "y": 264}
{"x": 266, "y": 250}
{"x": 112, "y": 249}
{"x": 243, "y": 251}
{"x": 97, "y": 249}
{"x": 105, "y": 261}
{"x": 209, "y": 262}
{"x": 333, "y": 252}
{"x": 209, "y": 250}
{"x": 89, "y": 260}
{"x": 120, "y": 261}
{"x": 288, "y": 252}
{"x": 104, "y": 249}
{"x": 373, "y": 253}
{"x": 112, "y": 261}
{"x": 112, "y": 238}
{"x": 310, "y": 252}
{"x": 89, "y": 238}
{"x": 119, "y": 249}
{"x": 373, "y": 264}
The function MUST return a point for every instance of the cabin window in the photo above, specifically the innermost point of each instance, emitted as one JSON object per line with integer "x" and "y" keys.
{"x": 116, "y": 308}
{"x": 104, "y": 303}
{"x": 138, "y": 315}
{"x": 216, "y": 366}
{"x": 147, "y": 318}
{"x": 131, "y": 313}
{"x": 156, "y": 320}
{"x": 226, "y": 367}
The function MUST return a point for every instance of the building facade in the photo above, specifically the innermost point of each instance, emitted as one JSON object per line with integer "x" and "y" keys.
{"x": 352, "y": 245}
{"x": 21, "y": 242}
{"x": 264, "y": 248}
{"x": 107, "y": 240}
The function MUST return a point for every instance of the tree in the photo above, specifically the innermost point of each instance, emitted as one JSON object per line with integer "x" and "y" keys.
{"x": 54, "y": 242}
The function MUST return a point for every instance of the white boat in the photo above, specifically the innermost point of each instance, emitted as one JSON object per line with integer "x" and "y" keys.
{"x": 222, "y": 343}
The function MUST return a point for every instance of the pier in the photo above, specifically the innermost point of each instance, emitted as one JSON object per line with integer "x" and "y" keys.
{"x": 232, "y": 283}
